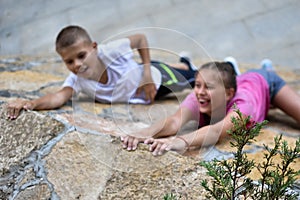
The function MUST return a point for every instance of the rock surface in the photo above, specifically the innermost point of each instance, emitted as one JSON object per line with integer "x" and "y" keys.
{"x": 75, "y": 153}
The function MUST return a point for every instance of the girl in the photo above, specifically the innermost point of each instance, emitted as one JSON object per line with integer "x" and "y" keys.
{"x": 216, "y": 91}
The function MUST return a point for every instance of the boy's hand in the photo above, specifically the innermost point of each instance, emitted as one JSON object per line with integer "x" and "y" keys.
{"x": 13, "y": 108}
{"x": 160, "y": 146}
{"x": 150, "y": 91}
{"x": 148, "y": 87}
{"x": 130, "y": 142}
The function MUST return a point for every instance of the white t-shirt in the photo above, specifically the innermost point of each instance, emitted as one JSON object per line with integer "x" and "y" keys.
{"x": 124, "y": 76}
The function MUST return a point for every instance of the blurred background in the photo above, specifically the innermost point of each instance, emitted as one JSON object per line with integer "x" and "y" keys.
{"x": 249, "y": 30}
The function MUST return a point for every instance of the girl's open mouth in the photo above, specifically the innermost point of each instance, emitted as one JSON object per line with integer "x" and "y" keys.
{"x": 204, "y": 102}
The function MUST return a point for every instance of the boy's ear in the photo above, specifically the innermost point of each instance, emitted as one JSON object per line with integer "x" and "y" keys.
{"x": 94, "y": 44}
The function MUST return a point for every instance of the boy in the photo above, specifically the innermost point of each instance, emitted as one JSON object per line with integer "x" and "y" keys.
{"x": 109, "y": 73}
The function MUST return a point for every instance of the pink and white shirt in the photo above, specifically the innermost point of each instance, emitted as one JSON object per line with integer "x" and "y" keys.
{"x": 252, "y": 98}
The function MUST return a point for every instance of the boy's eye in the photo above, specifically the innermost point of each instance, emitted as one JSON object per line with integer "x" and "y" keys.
{"x": 82, "y": 56}
{"x": 69, "y": 62}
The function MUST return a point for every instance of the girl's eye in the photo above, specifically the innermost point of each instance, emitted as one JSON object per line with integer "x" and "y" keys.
{"x": 198, "y": 85}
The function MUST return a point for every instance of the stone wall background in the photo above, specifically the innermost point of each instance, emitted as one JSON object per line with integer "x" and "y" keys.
{"x": 249, "y": 30}
{"x": 61, "y": 162}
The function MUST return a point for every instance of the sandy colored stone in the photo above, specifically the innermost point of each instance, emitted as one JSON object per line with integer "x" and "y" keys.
{"x": 37, "y": 192}
{"x": 53, "y": 66}
{"x": 78, "y": 166}
{"x": 267, "y": 137}
{"x": 281, "y": 123}
{"x": 19, "y": 137}
{"x": 155, "y": 177}
{"x": 289, "y": 75}
{"x": 128, "y": 112}
{"x": 27, "y": 80}
{"x": 89, "y": 166}
{"x": 258, "y": 157}
{"x": 225, "y": 146}
{"x": 86, "y": 122}
{"x": 50, "y": 89}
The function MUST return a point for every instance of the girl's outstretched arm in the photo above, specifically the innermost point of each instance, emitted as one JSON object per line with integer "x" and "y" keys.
{"x": 205, "y": 136}
{"x": 163, "y": 128}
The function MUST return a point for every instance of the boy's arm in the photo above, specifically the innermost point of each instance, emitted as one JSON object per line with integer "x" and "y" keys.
{"x": 139, "y": 42}
{"x": 49, "y": 101}
{"x": 205, "y": 136}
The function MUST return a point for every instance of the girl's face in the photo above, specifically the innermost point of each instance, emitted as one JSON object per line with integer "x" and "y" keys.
{"x": 211, "y": 93}
{"x": 81, "y": 59}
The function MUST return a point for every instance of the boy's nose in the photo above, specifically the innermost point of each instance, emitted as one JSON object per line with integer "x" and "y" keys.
{"x": 77, "y": 64}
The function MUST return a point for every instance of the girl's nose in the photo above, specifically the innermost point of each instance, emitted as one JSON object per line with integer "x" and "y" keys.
{"x": 201, "y": 90}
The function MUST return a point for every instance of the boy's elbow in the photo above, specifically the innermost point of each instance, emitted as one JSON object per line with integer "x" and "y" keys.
{"x": 57, "y": 101}
{"x": 61, "y": 102}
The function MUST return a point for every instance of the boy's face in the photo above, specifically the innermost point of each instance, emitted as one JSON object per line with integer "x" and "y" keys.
{"x": 211, "y": 93}
{"x": 81, "y": 59}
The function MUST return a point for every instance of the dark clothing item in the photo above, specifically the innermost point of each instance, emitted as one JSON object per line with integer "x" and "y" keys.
{"x": 173, "y": 79}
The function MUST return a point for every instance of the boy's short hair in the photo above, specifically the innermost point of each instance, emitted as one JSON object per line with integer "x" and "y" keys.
{"x": 69, "y": 35}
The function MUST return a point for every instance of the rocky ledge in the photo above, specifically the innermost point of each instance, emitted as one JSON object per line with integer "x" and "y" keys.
{"x": 75, "y": 153}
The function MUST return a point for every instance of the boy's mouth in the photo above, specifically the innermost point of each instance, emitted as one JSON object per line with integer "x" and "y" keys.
{"x": 82, "y": 69}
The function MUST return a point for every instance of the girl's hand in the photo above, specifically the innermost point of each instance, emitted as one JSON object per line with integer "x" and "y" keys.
{"x": 130, "y": 142}
{"x": 160, "y": 146}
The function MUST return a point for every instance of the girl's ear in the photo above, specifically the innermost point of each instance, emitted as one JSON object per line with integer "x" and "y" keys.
{"x": 230, "y": 94}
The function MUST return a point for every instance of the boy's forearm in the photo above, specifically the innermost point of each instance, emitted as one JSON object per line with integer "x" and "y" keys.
{"x": 47, "y": 102}
{"x": 145, "y": 56}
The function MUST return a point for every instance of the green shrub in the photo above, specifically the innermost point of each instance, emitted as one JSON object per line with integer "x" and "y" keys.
{"x": 229, "y": 178}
